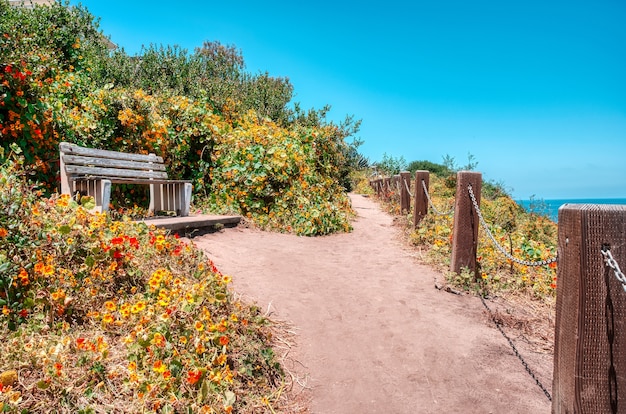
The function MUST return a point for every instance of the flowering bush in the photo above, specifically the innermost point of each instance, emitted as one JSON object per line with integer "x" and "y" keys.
{"x": 97, "y": 315}
{"x": 52, "y": 89}
{"x": 279, "y": 178}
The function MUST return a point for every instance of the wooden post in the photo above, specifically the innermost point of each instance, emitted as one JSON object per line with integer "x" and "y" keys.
{"x": 420, "y": 205}
{"x": 379, "y": 187}
{"x": 466, "y": 222}
{"x": 405, "y": 194}
{"x": 590, "y": 333}
{"x": 395, "y": 186}
{"x": 386, "y": 187}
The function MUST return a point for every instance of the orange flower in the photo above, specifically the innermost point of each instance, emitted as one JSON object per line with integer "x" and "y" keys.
{"x": 158, "y": 340}
{"x": 223, "y": 340}
{"x": 23, "y": 275}
{"x": 48, "y": 270}
{"x": 3, "y": 232}
{"x": 194, "y": 376}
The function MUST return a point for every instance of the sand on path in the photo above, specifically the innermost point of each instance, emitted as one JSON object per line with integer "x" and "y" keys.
{"x": 373, "y": 333}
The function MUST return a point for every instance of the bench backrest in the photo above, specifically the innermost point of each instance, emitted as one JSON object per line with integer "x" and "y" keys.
{"x": 77, "y": 161}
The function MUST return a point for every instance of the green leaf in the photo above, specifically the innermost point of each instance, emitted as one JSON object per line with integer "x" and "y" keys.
{"x": 203, "y": 393}
{"x": 42, "y": 385}
{"x": 65, "y": 229}
{"x": 90, "y": 261}
{"x": 88, "y": 202}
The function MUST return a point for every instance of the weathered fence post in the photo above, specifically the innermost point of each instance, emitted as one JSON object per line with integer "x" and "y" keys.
{"x": 379, "y": 187}
{"x": 405, "y": 195}
{"x": 386, "y": 187}
{"x": 466, "y": 222}
{"x": 590, "y": 336}
{"x": 420, "y": 206}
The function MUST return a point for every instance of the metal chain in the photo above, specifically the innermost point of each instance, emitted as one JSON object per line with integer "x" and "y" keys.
{"x": 517, "y": 354}
{"x": 495, "y": 242}
{"x": 408, "y": 190}
{"x": 610, "y": 262}
{"x": 430, "y": 202}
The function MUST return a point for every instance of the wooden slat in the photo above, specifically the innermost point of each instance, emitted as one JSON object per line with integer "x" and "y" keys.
{"x": 113, "y": 172}
{"x": 125, "y": 180}
{"x": 73, "y": 149}
{"x": 111, "y": 163}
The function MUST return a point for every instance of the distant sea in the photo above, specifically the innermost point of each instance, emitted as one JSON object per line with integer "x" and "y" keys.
{"x": 550, "y": 208}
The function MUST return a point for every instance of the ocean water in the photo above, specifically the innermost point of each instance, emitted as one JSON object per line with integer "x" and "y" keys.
{"x": 550, "y": 208}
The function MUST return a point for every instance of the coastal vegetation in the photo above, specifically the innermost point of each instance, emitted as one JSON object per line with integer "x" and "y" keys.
{"x": 109, "y": 315}
{"x": 525, "y": 235}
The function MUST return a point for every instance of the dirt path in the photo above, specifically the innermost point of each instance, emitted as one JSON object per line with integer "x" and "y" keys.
{"x": 374, "y": 335}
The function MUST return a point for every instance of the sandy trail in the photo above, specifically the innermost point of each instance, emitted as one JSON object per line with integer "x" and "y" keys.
{"x": 374, "y": 335}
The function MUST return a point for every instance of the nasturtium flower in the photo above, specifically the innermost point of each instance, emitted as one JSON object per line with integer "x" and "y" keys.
{"x": 194, "y": 376}
{"x": 199, "y": 326}
{"x": 159, "y": 367}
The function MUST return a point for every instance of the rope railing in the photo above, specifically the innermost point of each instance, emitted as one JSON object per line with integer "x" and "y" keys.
{"x": 495, "y": 242}
{"x": 408, "y": 190}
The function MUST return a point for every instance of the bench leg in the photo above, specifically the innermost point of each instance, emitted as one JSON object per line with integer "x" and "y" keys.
{"x": 171, "y": 197}
{"x": 100, "y": 190}
{"x": 186, "y": 202}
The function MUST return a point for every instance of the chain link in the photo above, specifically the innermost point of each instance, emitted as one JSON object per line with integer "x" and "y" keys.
{"x": 610, "y": 262}
{"x": 430, "y": 202}
{"x": 495, "y": 242}
{"x": 514, "y": 348}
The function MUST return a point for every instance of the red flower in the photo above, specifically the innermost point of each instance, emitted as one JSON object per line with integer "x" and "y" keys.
{"x": 194, "y": 376}
{"x": 133, "y": 242}
{"x": 117, "y": 240}
{"x": 223, "y": 340}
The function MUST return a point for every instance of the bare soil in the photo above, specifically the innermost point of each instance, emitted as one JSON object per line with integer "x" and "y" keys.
{"x": 373, "y": 333}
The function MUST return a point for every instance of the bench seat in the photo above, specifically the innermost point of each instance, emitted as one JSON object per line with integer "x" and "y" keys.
{"x": 92, "y": 171}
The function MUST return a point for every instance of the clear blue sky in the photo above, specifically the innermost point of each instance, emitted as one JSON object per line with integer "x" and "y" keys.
{"x": 535, "y": 90}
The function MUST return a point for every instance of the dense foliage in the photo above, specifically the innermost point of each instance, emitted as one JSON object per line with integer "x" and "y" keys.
{"x": 202, "y": 112}
{"x": 100, "y": 315}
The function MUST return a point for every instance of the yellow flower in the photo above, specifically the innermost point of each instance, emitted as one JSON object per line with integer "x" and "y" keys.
{"x": 138, "y": 307}
{"x": 159, "y": 367}
{"x": 199, "y": 326}
{"x": 58, "y": 295}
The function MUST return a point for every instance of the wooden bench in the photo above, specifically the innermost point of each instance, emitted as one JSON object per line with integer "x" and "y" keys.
{"x": 92, "y": 171}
